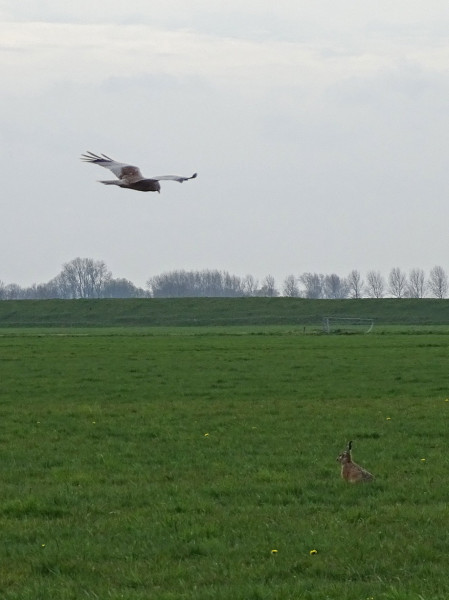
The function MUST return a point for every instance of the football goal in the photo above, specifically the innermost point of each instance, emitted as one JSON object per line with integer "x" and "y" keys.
{"x": 347, "y": 325}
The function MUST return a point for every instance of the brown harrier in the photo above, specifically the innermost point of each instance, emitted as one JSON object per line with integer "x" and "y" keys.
{"x": 128, "y": 176}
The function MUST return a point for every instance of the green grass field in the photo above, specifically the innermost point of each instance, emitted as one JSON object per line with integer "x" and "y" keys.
{"x": 200, "y": 464}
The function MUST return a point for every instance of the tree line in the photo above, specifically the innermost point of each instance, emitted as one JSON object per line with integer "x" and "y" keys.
{"x": 79, "y": 278}
{"x": 399, "y": 284}
{"x": 89, "y": 278}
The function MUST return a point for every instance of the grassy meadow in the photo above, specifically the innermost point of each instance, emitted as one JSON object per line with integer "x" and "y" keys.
{"x": 184, "y": 463}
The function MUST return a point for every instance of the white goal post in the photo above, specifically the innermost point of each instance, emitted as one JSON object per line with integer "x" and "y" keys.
{"x": 347, "y": 325}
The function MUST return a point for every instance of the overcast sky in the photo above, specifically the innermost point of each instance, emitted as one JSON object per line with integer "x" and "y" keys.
{"x": 319, "y": 131}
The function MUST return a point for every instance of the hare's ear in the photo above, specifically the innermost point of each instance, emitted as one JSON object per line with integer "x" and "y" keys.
{"x": 349, "y": 446}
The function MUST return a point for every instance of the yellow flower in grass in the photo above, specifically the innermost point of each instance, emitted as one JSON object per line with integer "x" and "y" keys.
{"x": 206, "y": 435}
{"x": 423, "y": 460}
{"x": 312, "y": 552}
{"x": 274, "y": 551}
{"x": 388, "y": 418}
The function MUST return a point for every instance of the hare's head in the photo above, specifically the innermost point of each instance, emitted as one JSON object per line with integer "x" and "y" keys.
{"x": 345, "y": 456}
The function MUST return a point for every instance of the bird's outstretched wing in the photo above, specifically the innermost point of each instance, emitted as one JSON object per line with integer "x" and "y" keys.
{"x": 123, "y": 171}
{"x": 174, "y": 177}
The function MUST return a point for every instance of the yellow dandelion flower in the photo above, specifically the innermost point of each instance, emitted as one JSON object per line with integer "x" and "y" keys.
{"x": 423, "y": 460}
{"x": 274, "y": 551}
{"x": 206, "y": 435}
{"x": 388, "y": 418}
{"x": 312, "y": 552}
{"x": 42, "y": 545}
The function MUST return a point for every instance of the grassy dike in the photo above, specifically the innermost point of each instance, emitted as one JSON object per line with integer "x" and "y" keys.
{"x": 217, "y": 311}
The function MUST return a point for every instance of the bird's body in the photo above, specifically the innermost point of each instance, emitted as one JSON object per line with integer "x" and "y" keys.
{"x": 143, "y": 185}
{"x": 130, "y": 177}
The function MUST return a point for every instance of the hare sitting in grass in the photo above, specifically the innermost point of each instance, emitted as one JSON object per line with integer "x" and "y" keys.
{"x": 350, "y": 471}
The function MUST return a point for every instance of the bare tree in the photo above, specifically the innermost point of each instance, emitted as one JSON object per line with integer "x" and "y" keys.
{"x": 313, "y": 285}
{"x": 48, "y": 290}
{"x": 268, "y": 287}
{"x": 290, "y": 287}
{"x": 335, "y": 287}
{"x": 416, "y": 287}
{"x": 13, "y": 291}
{"x": 122, "y": 288}
{"x": 83, "y": 278}
{"x": 438, "y": 282}
{"x": 397, "y": 282}
{"x": 355, "y": 284}
{"x": 232, "y": 285}
{"x": 375, "y": 284}
{"x": 208, "y": 283}
{"x": 176, "y": 284}
{"x": 250, "y": 285}
{"x": 42, "y": 291}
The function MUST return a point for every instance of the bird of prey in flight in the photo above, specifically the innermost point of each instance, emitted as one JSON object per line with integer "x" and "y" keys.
{"x": 128, "y": 176}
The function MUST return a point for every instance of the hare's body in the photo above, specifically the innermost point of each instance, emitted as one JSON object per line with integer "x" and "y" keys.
{"x": 350, "y": 471}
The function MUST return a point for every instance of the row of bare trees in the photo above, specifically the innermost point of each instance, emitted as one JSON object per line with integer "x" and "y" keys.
{"x": 399, "y": 284}
{"x": 88, "y": 278}
{"x": 175, "y": 284}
